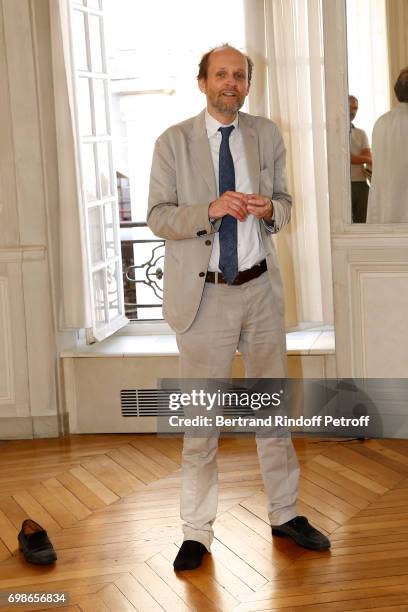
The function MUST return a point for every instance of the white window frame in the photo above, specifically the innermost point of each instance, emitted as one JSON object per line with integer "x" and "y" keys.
{"x": 109, "y": 324}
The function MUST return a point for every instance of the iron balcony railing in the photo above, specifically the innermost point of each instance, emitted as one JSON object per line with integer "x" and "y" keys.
{"x": 142, "y": 262}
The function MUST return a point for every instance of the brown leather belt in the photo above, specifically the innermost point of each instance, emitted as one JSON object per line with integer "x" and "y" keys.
{"x": 243, "y": 277}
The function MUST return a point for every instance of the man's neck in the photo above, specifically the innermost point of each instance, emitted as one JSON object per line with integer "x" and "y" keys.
{"x": 224, "y": 119}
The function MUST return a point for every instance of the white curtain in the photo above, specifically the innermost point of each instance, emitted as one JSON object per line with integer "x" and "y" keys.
{"x": 294, "y": 50}
{"x": 75, "y": 303}
{"x": 397, "y": 39}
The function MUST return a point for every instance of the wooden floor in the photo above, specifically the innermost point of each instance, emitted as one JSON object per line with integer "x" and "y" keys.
{"x": 110, "y": 505}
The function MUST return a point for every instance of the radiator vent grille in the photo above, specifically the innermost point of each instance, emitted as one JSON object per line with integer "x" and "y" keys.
{"x": 145, "y": 402}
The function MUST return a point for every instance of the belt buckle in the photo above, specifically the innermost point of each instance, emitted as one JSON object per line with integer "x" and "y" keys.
{"x": 216, "y": 278}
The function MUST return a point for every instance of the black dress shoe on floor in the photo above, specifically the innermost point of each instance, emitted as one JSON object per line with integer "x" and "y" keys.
{"x": 35, "y": 544}
{"x": 302, "y": 532}
{"x": 189, "y": 556}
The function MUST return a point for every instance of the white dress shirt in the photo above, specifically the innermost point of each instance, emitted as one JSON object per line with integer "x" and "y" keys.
{"x": 250, "y": 248}
{"x": 358, "y": 142}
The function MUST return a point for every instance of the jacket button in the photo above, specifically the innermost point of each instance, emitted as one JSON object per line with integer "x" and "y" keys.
{"x": 202, "y": 274}
{"x": 208, "y": 242}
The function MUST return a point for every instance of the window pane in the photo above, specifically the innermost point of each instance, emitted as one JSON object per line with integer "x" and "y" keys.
{"x": 95, "y": 234}
{"x": 100, "y": 106}
{"x": 113, "y": 290}
{"x": 94, "y": 4}
{"x": 95, "y": 43}
{"x": 110, "y": 244}
{"x": 104, "y": 169}
{"x": 79, "y": 44}
{"x": 84, "y": 107}
{"x": 123, "y": 189}
{"x": 98, "y": 279}
{"x": 88, "y": 169}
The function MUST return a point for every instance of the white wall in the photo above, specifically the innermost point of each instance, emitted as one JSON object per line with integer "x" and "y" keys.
{"x": 29, "y": 343}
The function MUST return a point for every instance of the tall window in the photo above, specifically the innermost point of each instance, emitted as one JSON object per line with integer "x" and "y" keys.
{"x": 136, "y": 66}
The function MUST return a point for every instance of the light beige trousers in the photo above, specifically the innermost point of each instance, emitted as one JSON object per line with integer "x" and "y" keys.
{"x": 243, "y": 317}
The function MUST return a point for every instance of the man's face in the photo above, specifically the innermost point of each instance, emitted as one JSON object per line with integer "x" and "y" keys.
{"x": 353, "y": 105}
{"x": 226, "y": 86}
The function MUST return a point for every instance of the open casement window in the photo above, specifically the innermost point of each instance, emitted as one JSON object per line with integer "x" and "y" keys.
{"x": 99, "y": 192}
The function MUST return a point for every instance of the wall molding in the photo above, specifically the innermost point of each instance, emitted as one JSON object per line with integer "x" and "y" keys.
{"x": 7, "y": 392}
{"x": 33, "y": 252}
{"x": 385, "y": 280}
{"x": 28, "y": 428}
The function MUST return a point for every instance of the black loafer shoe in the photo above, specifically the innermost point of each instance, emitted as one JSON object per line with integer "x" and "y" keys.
{"x": 189, "y": 556}
{"x": 302, "y": 532}
{"x": 35, "y": 544}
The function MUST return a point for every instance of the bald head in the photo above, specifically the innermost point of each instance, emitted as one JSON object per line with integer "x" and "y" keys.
{"x": 205, "y": 60}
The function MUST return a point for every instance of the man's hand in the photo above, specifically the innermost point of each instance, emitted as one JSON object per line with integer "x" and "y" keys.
{"x": 363, "y": 158}
{"x": 259, "y": 206}
{"x": 230, "y": 203}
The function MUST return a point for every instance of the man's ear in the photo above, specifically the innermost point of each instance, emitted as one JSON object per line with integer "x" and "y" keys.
{"x": 202, "y": 85}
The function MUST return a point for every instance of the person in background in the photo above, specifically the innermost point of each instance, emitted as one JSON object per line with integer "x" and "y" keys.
{"x": 388, "y": 200}
{"x": 360, "y": 155}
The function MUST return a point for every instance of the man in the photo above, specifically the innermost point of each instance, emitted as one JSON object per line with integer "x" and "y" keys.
{"x": 360, "y": 154}
{"x": 217, "y": 193}
{"x": 388, "y": 200}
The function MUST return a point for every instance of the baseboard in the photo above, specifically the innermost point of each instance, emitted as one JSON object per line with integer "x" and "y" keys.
{"x": 29, "y": 428}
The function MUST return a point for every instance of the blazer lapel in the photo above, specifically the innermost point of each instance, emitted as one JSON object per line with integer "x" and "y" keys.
{"x": 250, "y": 139}
{"x": 201, "y": 153}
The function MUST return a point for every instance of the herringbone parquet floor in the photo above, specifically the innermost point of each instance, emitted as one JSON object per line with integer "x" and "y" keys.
{"x": 110, "y": 505}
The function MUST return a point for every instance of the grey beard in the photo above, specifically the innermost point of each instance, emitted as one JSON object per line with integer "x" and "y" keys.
{"x": 225, "y": 109}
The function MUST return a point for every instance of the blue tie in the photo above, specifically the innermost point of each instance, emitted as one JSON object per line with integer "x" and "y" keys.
{"x": 228, "y": 229}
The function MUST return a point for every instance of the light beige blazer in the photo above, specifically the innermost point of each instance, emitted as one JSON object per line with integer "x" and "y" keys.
{"x": 182, "y": 185}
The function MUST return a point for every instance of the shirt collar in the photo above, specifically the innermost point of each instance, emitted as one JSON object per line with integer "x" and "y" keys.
{"x": 212, "y": 124}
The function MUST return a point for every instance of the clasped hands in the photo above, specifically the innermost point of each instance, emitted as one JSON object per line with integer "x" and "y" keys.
{"x": 240, "y": 205}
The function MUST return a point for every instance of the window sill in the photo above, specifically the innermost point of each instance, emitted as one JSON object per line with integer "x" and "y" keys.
{"x": 146, "y": 328}
{"x": 318, "y": 340}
